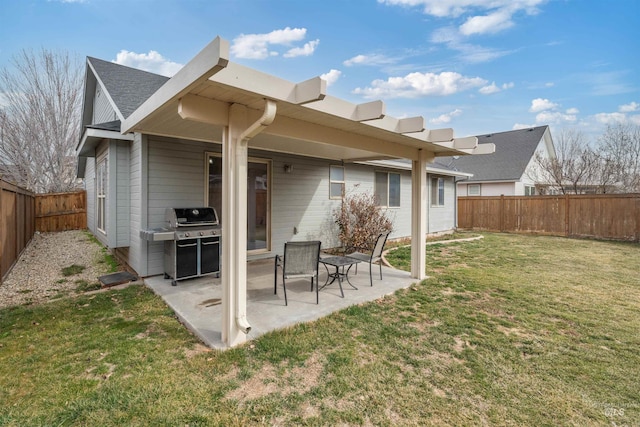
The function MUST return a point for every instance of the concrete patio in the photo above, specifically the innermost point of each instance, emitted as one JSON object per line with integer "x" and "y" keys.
{"x": 195, "y": 301}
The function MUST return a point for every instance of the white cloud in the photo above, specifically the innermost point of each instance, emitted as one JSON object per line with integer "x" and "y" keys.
{"x": 446, "y": 118}
{"x": 454, "y": 8}
{"x": 414, "y": 85}
{"x": 555, "y": 117}
{"x": 518, "y": 126}
{"x": 491, "y": 23}
{"x": 549, "y": 84}
{"x": 629, "y": 108}
{"x": 486, "y": 16}
{"x": 611, "y": 118}
{"x": 493, "y": 88}
{"x": 374, "y": 60}
{"x": 258, "y": 46}
{"x": 332, "y": 76}
{"x": 152, "y": 62}
{"x": 467, "y": 52}
{"x": 540, "y": 104}
{"x": 635, "y": 119}
{"x": 306, "y": 50}
{"x": 572, "y": 111}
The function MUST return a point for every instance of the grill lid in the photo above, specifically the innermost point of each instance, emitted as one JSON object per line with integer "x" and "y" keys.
{"x": 182, "y": 217}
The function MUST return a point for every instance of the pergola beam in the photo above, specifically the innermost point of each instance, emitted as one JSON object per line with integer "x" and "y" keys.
{"x": 211, "y": 60}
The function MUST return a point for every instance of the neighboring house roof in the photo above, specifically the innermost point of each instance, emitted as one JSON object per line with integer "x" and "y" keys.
{"x": 433, "y": 168}
{"x": 127, "y": 87}
{"x": 514, "y": 150}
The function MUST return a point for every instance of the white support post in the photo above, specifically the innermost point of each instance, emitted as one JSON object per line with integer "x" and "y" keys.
{"x": 419, "y": 214}
{"x": 235, "y": 156}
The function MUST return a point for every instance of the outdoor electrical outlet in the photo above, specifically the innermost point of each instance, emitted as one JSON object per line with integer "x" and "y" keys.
{"x": 295, "y": 230}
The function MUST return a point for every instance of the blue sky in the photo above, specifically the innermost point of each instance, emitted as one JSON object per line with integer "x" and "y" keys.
{"x": 478, "y": 66}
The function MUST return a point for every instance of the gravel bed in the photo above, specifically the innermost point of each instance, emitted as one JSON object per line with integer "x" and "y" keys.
{"x": 37, "y": 276}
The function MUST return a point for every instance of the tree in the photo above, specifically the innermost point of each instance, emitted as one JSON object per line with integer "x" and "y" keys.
{"x": 40, "y": 120}
{"x": 621, "y": 145}
{"x": 572, "y": 164}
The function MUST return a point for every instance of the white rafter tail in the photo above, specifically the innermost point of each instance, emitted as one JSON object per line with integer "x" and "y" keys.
{"x": 347, "y": 110}
{"x": 440, "y": 135}
{"x": 466, "y": 143}
{"x": 410, "y": 125}
{"x": 481, "y": 149}
{"x": 369, "y": 111}
{"x": 311, "y": 90}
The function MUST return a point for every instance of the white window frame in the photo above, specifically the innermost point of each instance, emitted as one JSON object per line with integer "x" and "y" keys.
{"x": 102, "y": 176}
{"x": 529, "y": 190}
{"x": 437, "y": 196}
{"x": 386, "y": 203}
{"x": 333, "y": 181}
{"x": 475, "y": 192}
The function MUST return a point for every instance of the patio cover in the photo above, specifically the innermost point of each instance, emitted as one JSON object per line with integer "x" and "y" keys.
{"x": 212, "y": 99}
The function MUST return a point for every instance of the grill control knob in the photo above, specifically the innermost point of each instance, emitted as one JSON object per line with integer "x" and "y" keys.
{"x": 202, "y": 233}
{"x": 186, "y": 234}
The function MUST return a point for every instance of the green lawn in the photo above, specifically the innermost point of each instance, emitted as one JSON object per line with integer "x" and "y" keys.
{"x": 510, "y": 330}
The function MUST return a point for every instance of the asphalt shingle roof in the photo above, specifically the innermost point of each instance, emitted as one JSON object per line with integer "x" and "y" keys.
{"x": 514, "y": 150}
{"x": 128, "y": 87}
{"x": 114, "y": 126}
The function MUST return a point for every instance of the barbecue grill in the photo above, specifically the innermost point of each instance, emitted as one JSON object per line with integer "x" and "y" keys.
{"x": 191, "y": 242}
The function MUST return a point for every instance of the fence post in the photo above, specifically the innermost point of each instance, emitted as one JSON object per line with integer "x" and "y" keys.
{"x": 566, "y": 215}
{"x": 502, "y": 213}
{"x": 637, "y": 218}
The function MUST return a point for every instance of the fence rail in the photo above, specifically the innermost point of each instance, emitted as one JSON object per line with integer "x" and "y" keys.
{"x": 602, "y": 216}
{"x": 61, "y": 211}
{"x": 17, "y": 224}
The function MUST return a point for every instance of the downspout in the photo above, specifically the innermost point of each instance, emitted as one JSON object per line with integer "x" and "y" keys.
{"x": 258, "y": 126}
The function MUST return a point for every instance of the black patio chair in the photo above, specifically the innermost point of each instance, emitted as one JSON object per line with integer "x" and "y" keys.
{"x": 300, "y": 260}
{"x": 371, "y": 255}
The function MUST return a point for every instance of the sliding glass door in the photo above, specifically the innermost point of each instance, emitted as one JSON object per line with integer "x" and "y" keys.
{"x": 258, "y": 199}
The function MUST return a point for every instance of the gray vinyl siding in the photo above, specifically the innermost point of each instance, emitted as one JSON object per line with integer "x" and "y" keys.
{"x": 175, "y": 179}
{"x": 122, "y": 198}
{"x": 137, "y": 247}
{"x": 102, "y": 110}
{"x": 90, "y": 187}
{"x": 361, "y": 178}
{"x": 300, "y": 199}
{"x": 442, "y": 218}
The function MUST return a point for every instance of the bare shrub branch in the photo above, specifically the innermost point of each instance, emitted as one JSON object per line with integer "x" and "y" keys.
{"x": 360, "y": 221}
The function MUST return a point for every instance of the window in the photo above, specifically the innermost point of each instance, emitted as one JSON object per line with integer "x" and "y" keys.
{"x": 336, "y": 182}
{"x": 101, "y": 193}
{"x": 473, "y": 190}
{"x": 387, "y": 189}
{"x": 529, "y": 190}
{"x": 437, "y": 191}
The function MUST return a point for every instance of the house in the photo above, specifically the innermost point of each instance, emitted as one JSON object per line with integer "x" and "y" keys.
{"x": 511, "y": 170}
{"x": 217, "y": 131}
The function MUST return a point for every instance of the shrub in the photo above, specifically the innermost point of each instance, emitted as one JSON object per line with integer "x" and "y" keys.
{"x": 360, "y": 221}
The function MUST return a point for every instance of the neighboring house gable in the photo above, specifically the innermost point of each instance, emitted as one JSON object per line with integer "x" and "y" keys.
{"x": 511, "y": 170}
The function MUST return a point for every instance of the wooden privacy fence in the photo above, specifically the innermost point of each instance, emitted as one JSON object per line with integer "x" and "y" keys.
{"x": 17, "y": 224}
{"x": 61, "y": 211}
{"x": 601, "y": 216}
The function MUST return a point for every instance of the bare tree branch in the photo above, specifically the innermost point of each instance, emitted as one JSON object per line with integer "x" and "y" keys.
{"x": 40, "y": 123}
